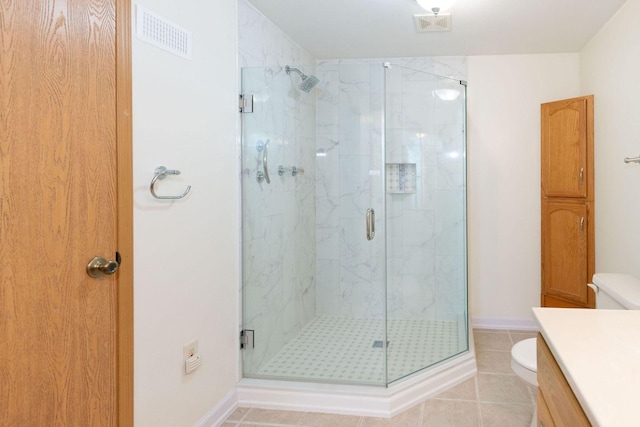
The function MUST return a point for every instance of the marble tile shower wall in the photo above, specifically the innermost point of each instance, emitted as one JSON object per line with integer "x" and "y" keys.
{"x": 350, "y": 280}
{"x": 278, "y": 218}
{"x": 426, "y": 252}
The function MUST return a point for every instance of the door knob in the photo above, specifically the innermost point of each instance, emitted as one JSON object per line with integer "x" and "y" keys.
{"x": 99, "y": 266}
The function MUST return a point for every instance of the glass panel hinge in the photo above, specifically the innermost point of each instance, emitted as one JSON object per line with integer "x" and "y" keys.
{"x": 246, "y": 339}
{"x": 245, "y": 103}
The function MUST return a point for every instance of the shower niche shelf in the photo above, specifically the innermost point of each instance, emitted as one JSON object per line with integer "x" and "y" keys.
{"x": 401, "y": 178}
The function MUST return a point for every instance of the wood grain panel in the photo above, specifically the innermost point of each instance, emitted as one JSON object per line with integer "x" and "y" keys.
{"x": 562, "y": 405}
{"x": 564, "y": 137}
{"x": 125, "y": 213}
{"x": 543, "y": 415}
{"x": 564, "y": 265}
{"x": 58, "y": 210}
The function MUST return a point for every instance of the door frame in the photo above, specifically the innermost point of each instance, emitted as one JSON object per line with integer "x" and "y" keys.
{"x": 124, "y": 164}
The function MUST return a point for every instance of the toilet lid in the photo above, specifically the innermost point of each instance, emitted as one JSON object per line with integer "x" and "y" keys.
{"x": 622, "y": 288}
{"x": 524, "y": 353}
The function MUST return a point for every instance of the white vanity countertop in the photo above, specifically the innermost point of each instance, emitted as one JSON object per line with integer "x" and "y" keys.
{"x": 599, "y": 354}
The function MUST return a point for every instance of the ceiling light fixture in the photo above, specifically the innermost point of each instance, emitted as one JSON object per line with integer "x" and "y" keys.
{"x": 435, "y": 6}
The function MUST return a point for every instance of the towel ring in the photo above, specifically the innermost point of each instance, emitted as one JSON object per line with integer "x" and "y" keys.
{"x": 632, "y": 159}
{"x": 161, "y": 173}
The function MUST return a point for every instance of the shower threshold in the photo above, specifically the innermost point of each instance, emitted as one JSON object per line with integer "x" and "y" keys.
{"x": 371, "y": 401}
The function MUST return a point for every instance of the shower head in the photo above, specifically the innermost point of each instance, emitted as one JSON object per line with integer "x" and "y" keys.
{"x": 308, "y": 82}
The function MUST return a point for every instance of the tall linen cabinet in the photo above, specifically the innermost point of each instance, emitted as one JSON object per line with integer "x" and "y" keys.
{"x": 567, "y": 201}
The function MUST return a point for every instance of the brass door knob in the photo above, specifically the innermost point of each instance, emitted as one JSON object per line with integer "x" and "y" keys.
{"x": 99, "y": 266}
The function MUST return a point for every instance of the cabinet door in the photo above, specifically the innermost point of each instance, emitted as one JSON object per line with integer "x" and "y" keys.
{"x": 566, "y": 134}
{"x": 560, "y": 406}
{"x": 565, "y": 228}
{"x": 545, "y": 419}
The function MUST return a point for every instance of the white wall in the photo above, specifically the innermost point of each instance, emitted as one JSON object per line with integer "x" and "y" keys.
{"x": 186, "y": 252}
{"x": 504, "y": 97}
{"x": 609, "y": 66}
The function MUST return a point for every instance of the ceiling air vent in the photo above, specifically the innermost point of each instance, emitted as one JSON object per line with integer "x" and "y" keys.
{"x": 433, "y": 23}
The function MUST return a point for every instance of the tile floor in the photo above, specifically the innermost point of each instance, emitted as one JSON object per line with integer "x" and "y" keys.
{"x": 495, "y": 397}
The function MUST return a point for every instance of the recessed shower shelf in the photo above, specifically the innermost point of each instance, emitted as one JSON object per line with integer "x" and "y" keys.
{"x": 401, "y": 178}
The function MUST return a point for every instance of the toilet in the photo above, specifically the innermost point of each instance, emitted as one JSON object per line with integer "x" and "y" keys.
{"x": 613, "y": 292}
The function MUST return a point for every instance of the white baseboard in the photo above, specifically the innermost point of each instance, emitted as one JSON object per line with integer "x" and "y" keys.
{"x": 504, "y": 323}
{"x": 356, "y": 400}
{"x": 221, "y": 411}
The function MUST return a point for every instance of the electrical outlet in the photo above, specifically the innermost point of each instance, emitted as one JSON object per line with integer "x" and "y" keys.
{"x": 189, "y": 350}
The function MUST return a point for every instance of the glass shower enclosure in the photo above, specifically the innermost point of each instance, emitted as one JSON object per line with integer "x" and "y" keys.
{"x": 354, "y": 222}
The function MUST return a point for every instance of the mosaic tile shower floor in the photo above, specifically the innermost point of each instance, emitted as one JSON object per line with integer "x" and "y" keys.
{"x": 351, "y": 350}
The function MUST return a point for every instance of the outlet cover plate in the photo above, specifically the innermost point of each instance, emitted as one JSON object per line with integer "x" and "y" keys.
{"x": 189, "y": 350}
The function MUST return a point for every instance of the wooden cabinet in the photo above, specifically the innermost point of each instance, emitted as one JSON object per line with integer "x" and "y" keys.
{"x": 557, "y": 405}
{"x": 567, "y": 148}
{"x": 568, "y": 246}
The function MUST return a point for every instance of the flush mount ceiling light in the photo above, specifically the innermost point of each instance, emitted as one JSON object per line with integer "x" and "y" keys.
{"x": 435, "y": 6}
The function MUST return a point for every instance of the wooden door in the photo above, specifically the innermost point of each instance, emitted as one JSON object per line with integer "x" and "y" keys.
{"x": 565, "y": 257}
{"x": 567, "y": 134}
{"x": 63, "y": 115}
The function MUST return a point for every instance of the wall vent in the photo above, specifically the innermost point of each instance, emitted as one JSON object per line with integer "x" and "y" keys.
{"x": 432, "y": 23}
{"x": 162, "y": 33}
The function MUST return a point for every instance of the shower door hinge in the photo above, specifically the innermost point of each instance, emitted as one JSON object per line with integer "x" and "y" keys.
{"x": 246, "y": 339}
{"x": 246, "y": 103}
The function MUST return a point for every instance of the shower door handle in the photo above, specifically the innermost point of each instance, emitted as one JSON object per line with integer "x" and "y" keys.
{"x": 371, "y": 224}
{"x": 263, "y": 175}
{"x": 265, "y": 167}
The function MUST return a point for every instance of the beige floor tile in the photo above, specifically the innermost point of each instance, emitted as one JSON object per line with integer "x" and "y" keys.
{"x": 501, "y": 388}
{"x": 450, "y": 413}
{"x": 275, "y": 417}
{"x": 409, "y": 418}
{"x": 463, "y": 391}
{"x": 328, "y": 420}
{"x": 229, "y": 424}
{"x": 512, "y": 415}
{"x": 492, "y": 341}
{"x": 238, "y": 414}
{"x": 495, "y": 362}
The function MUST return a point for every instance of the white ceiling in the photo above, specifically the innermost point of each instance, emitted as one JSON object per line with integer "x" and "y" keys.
{"x": 334, "y": 29}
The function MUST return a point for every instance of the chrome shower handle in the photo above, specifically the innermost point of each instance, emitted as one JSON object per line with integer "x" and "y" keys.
{"x": 263, "y": 175}
{"x": 265, "y": 167}
{"x": 371, "y": 224}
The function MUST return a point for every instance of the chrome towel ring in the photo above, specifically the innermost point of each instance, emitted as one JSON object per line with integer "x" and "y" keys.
{"x": 632, "y": 159}
{"x": 161, "y": 173}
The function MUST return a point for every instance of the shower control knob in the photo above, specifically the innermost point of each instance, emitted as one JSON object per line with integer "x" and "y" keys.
{"x": 99, "y": 266}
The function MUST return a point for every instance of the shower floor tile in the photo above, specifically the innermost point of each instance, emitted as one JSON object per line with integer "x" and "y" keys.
{"x": 352, "y": 350}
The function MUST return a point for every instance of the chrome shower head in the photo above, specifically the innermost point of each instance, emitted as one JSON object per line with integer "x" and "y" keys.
{"x": 308, "y": 82}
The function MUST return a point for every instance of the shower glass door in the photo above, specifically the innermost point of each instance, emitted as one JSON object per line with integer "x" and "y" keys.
{"x": 313, "y": 236}
{"x": 426, "y": 219}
